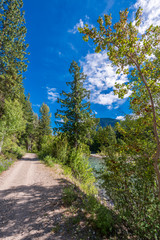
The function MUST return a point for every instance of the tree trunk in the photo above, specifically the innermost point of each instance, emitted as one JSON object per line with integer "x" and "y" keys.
{"x": 157, "y": 154}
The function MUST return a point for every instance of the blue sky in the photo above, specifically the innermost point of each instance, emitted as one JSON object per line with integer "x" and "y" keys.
{"x": 54, "y": 42}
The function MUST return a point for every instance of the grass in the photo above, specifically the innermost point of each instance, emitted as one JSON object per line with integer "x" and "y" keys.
{"x": 90, "y": 210}
{"x": 5, "y": 163}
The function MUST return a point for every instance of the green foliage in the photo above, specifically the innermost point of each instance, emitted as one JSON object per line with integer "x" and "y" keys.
{"x": 102, "y": 217}
{"x": 56, "y": 149}
{"x": 104, "y": 220}
{"x": 44, "y": 127}
{"x": 81, "y": 168}
{"x": 131, "y": 53}
{"x": 49, "y": 161}
{"x": 69, "y": 196}
{"x": 11, "y": 148}
{"x": 103, "y": 138}
{"x": 46, "y": 146}
{"x": 61, "y": 149}
{"x": 129, "y": 178}
{"x": 29, "y": 135}
{"x": 45, "y": 120}
{"x": 5, "y": 163}
{"x": 12, "y": 121}
{"x": 13, "y": 50}
{"x": 132, "y": 176}
{"x": 76, "y": 116}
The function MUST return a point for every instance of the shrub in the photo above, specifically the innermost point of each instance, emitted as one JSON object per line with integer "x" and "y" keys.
{"x": 49, "y": 161}
{"x": 55, "y": 147}
{"x": 61, "y": 149}
{"x": 83, "y": 172}
{"x": 5, "y": 163}
{"x": 100, "y": 215}
{"x": 11, "y": 148}
{"x": 46, "y": 146}
{"x": 129, "y": 181}
{"x": 69, "y": 196}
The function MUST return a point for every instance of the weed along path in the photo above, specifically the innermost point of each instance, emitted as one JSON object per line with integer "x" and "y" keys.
{"x": 31, "y": 205}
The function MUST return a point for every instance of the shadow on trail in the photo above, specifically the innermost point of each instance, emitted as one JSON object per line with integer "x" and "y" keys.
{"x": 29, "y": 159}
{"x": 34, "y": 212}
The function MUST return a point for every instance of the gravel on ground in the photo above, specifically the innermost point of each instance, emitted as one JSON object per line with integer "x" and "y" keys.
{"x": 31, "y": 205}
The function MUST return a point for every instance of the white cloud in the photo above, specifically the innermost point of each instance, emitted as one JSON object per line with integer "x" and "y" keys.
{"x": 73, "y": 47}
{"x": 94, "y": 112}
{"x": 80, "y": 24}
{"x": 75, "y": 29}
{"x": 101, "y": 74}
{"x": 60, "y": 120}
{"x": 122, "y": 118}
{"x": 151, "y": 13}
{"x": 36, "y": 105}
{"x": 52, "y": 94}
{"x": 102, "y": 77}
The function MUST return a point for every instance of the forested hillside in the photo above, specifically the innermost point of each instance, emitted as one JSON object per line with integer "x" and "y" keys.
{"x": 130, "y": 175}
{"x": 107, "y": 121}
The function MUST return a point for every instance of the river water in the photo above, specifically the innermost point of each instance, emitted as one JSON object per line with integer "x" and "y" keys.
{"x": 97, "y": 164}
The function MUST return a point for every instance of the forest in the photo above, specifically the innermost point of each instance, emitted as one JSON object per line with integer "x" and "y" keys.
{"x": 130, "y": 149}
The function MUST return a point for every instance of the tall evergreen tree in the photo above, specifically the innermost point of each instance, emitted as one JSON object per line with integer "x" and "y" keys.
{"x": 45, "y": 121}
{"x": 76, "y": 116}
{"x": 12, "y": 50}
{"x": 29, "y": 117}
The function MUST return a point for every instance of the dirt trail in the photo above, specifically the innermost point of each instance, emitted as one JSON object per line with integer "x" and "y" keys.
{"x": 30, "y": 202}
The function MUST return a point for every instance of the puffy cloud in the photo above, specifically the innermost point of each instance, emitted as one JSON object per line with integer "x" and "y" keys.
{"x": 151, "y": 13}
{"x": 52, "y": 94}
{"x": 80, "y": 24}
{"x": 101, "y": 76}
{"x": 122, "y": 118}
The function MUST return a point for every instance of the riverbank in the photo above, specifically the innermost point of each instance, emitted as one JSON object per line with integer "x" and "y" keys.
{"x": 96, "y": 155}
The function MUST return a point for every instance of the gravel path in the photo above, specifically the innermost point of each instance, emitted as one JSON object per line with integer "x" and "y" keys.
{"x": 30, "y": 202}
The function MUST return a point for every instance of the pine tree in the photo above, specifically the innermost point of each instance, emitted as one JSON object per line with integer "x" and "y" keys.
{"x": 29, "y": 117}
{"x": 76, "y": 116}
{"x": 12, "y": 50}
{"x": 45, "y": 121}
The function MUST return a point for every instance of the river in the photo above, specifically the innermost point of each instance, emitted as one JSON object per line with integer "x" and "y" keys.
{"x": 97, "y": 164}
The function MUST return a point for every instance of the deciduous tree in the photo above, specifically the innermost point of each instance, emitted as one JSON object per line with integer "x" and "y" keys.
{"x": 132, "y": 53}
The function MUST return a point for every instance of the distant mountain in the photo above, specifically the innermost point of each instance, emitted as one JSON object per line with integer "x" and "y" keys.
{"x": 107, "y": 121}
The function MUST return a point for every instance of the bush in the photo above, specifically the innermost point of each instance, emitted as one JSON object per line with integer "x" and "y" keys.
{"x": 82, "y": 170}
{"x": 55, "y": 147}
{"x": 46, "y": 146}
{"x": 129, "y": 181}
{"x": 49, "y": 161}
{"x": 5, "y": 163}
{"x": 100, "y": 215}
{"x": 69, "y": 196}
{"x": 61, "y": 149}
